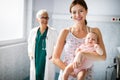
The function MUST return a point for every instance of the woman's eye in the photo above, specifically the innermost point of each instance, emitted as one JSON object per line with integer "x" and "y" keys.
{"x": 74, "y": 12}
{"x": 81, "y": 11}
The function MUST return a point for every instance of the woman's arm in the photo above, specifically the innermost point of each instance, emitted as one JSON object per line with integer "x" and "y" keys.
{"x": 59, "y": 48}
{"x": 94, "y": 55}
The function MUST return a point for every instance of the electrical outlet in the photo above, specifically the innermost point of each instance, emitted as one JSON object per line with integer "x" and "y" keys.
{"x": 115, "y": 19}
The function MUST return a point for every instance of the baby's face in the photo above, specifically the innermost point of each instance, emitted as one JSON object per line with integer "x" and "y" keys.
{"x": 91, "y": 39}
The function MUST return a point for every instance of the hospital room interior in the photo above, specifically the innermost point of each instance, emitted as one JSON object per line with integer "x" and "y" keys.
{"x": 18, "y": 17}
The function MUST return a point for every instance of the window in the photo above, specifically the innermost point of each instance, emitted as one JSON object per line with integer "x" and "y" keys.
{"x": 11, "y": 21}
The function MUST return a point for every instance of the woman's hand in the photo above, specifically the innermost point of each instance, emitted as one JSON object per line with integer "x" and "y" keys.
{"x": 31, "y": 56}
{"x": 78, "y": 60}
{"x": 73, "y": 74}
{"x": 76, "y": 64}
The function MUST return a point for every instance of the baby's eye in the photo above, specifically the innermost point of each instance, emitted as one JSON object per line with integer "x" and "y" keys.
{"x": 88, "y": 38}
{"x": 93, "y": 39}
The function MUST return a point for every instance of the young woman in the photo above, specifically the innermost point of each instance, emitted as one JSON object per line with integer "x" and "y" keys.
{"x": 70, "y": 38}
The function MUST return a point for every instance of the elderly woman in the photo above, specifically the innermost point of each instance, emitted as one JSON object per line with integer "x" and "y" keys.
{"x": 40, "y": 48}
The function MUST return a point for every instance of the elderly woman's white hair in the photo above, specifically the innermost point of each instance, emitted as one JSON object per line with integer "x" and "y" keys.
{"x": 40, "y": 12}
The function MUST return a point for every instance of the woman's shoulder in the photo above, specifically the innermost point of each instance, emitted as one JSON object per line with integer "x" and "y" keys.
{"x": 65, "y": 30}
{"x": 34, "y": 29}
{"x": 51, "y": 28}
{"x": 94, "y": 29}
{"x": 63, "y": 33}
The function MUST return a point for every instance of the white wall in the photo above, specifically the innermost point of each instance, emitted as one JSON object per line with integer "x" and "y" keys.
{"x": 14, "y": 62}
{"x": 103, "y": 7}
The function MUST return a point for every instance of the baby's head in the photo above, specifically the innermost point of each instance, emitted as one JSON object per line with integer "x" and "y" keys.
{"x": 91, "y": 38}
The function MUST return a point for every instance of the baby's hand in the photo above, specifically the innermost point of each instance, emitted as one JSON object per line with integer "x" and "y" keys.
{"x": 77, "y": 50}
{"x": 96, "y": 46}
{"x": 98, "y": 49}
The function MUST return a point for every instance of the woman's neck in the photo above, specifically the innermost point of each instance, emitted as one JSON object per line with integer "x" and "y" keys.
{"x": 79, "y": 27}
{"x": 42, "y": 29}
{"x": 79, "y": 31}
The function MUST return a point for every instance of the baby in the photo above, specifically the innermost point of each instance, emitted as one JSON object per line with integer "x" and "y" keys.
{"x": 80, "y": 62}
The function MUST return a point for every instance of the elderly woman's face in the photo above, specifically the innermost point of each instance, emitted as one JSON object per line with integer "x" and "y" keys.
{"x": 43, "y": 19}
{"x": 44, "y": 16}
